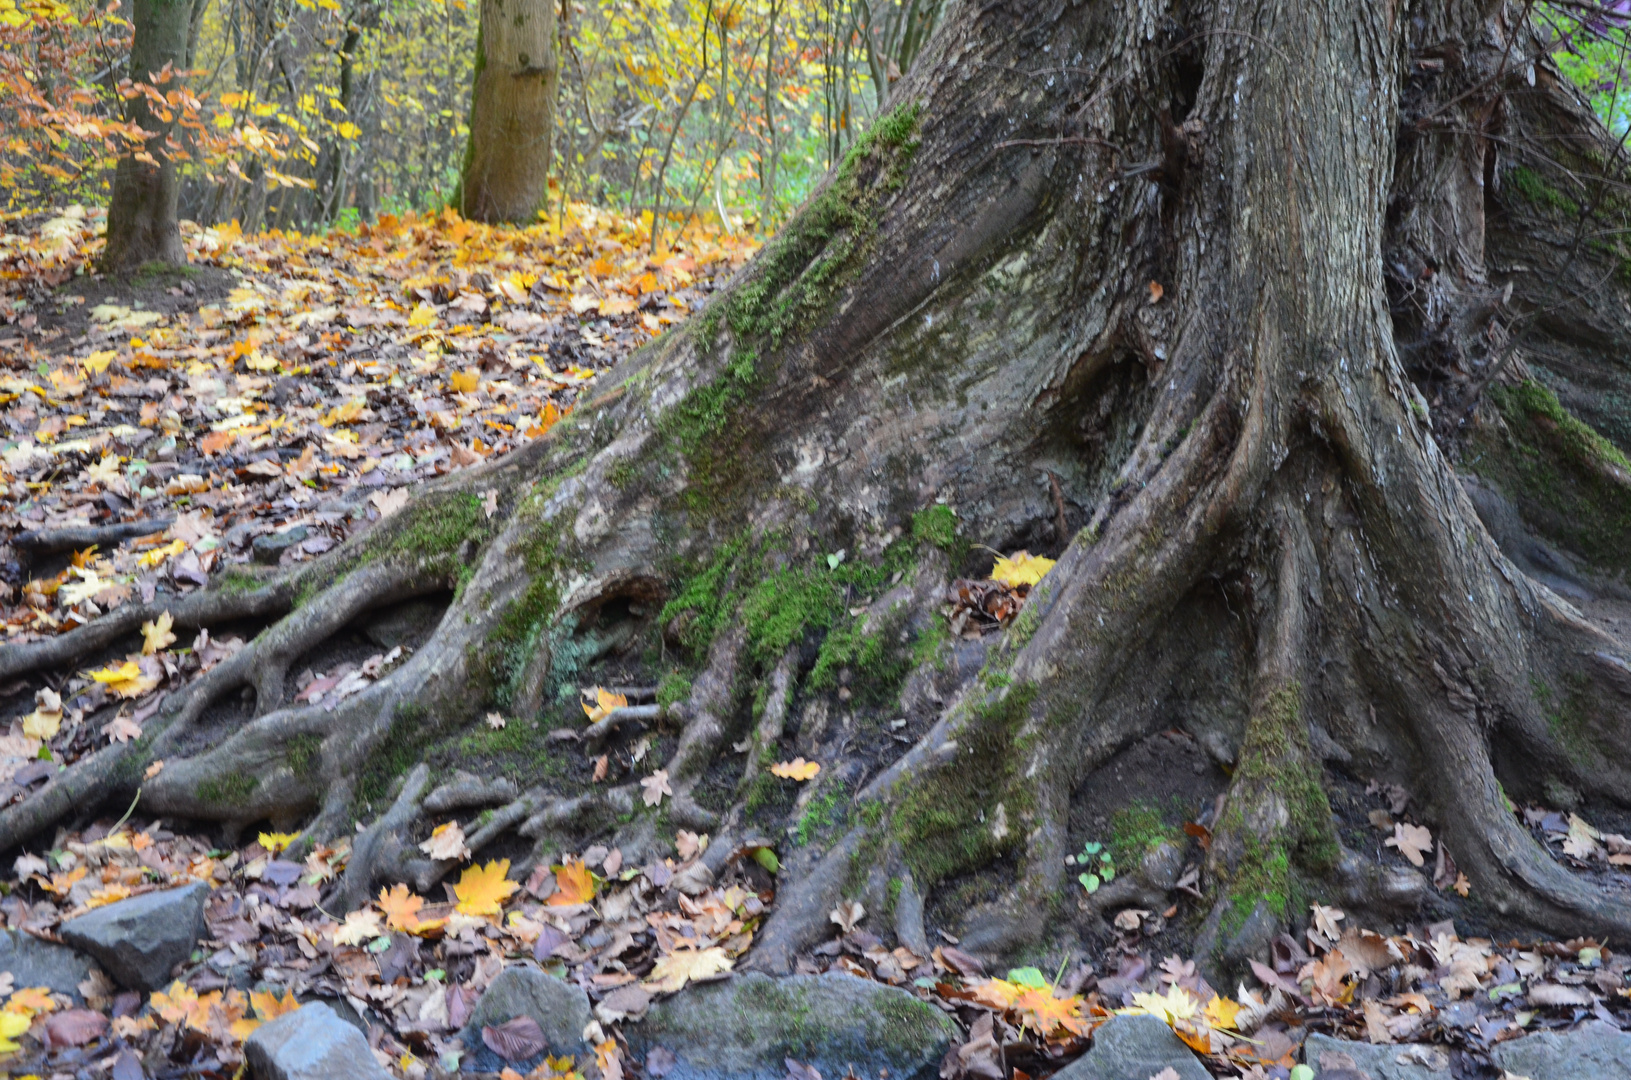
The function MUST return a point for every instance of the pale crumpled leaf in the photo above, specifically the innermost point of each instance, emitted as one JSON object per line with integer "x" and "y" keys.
{"x": 360, "y": 926}
{"x": 446, "y": 842}
{"x": 1412, "y": 841}
{"x": 674, "y": 970}
{"x": 156, "y": 635}
{"x": 655, "y": 787}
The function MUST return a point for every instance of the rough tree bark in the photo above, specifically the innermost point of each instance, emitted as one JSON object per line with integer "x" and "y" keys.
{"x": 142, "y": 208}
{"x": 1184, "y": 257}
{"x": 512, "y": 113}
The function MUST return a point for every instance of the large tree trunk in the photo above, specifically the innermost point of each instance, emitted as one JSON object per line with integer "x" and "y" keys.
{"x": 142, "y": 210}
{"x": 1172, "y": 254}
{"x": 512, "y": 113}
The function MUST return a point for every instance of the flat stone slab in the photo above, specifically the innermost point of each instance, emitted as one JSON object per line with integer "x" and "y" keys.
{"x": 747, "y": 1027}
{"x": 1340, "y": 1059}
{"x": 560, "y": 1009}
{"x": 1594, "y": 1051}
{"x": 1134, "y": 1048}
{"x": 311, "y": 1043}
{"x": 138, "y": 941}
{"x": 33, "y": 962}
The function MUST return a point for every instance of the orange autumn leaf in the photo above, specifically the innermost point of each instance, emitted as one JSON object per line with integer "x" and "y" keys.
{"x": 797, "y": 769}
{"x": 401, "y": 907}
{"x": 605, "y": 702}
{"x": 268, "y": 1006}
{"x": 482, "y": 890}
{"x": 574, "y": 884}
{"x": 31, "y": 1001}
{"x": 1040, "y": 1011}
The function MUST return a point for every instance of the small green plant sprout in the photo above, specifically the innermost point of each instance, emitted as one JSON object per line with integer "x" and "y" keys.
{"x": 1099, "y": 868}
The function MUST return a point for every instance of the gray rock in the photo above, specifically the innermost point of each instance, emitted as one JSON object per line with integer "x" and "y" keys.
{"x": 268, "y": 548}
{"x": 748, "y": 1026}
{"x": 561, "y": 1009}
{"x": 311, "y": 1043}
{"x": 1594, "y": 1051}
{"x": 139, "y": 940}
{"x": 33, "y": 962}
{"x": 1134, "y": 1048}
{"x": 1328, "y": 1056}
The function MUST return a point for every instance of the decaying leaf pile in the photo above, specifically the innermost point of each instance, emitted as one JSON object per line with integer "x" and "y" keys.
{"x": 413, "y": 967}
{"x": 148, "y": 448}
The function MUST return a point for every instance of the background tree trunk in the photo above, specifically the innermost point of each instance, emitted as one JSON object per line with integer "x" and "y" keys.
{"x": 142, "y": 209}
{"x": 512, "y": 108}
{"x": 1164, "y": 272}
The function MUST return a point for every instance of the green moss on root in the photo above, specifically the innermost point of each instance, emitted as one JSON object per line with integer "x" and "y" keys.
{"x": 1136, "y": 830}
{"x": 304, "y": 754}
{"x": 234, "y": 787}
{"x": 797, "y": 278}
{"x": 1277, "y": 763}
{"x": 402, "y": 748}
{"x": 1533, "y": 187}
{"x": 1570, "y": 484}
{"x": 946, "y": 822}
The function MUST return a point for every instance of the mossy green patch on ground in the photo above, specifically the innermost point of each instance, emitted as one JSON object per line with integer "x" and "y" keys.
{"x": 1570, "y": 484}
{"x": 937, "y": 525}
{"x": 1136, "y": 830}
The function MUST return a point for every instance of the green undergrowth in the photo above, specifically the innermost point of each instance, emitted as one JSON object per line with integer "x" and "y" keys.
{"x": 1277, "y": 766}
{"x": 1570, "y": 484}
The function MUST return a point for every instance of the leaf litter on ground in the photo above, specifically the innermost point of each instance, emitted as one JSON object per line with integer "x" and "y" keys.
{"x": 273, "y": 423}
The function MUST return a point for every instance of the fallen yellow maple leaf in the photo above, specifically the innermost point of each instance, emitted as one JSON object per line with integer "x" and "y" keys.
{"x": 1020, "y": 568}
{"x": 673, "y": 971}
{"x": 1220, "y": 1013}
{"x": 156, "y": 634}
{"x": 276, "y": 841}
{"x": 126, "y": 680}
{"x": 605, "y": 702}
{"x": 482, "y": 890}
{"x": 465, "y": 382}
{"x": 109, "y": 894}
{"x": 159, "y": 554}
{"x": 268, "y": 1006}
{"x": 11, "y": 1025}
{"x": 574, "y": 884}
{"x": 797, "y": 769}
